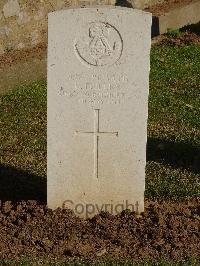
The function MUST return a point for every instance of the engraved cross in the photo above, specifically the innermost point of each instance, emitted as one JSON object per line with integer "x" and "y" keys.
{"x": 97, "y": 133}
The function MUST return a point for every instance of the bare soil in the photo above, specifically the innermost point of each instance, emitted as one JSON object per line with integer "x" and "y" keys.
{"x": 16, "y": 56}
{"x": 169, "y": 230}
{"x": 182, "y": 39}
{"x": 22, "y": 67}
{"x": 165, "y": 7}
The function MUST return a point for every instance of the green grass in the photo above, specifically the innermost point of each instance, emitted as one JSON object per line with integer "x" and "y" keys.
{"x": 23, "y": 128}
{"x": 173, "y": 126}
{"x": 174, "y": 122}
{"x": 175, "y": 89}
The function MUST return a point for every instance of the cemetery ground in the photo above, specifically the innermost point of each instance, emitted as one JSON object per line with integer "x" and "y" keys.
{"x": 166, "y": 234}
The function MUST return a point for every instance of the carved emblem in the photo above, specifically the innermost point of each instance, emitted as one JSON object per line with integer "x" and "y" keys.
{"x": 99, "y": 45}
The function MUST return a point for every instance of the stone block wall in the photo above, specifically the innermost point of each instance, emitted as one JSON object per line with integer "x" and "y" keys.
{"x": 23, "y": 23}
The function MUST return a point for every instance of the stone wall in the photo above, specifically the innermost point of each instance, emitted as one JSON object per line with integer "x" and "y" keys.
{"x": 23, "y": 23}
{"x": 141, "y": 4}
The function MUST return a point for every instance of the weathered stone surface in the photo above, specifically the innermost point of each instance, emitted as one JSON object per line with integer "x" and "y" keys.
{"x": 98, "y": 79}
{"x": 23, "y": 18}
{"x": 40, "y": 14}
{"x": 35, "y": 37}
{"x": 180, "y": 17}
{"x": 1, "y": 15}
{"x": 11, "y": 8}
{"x": 2, "y": 51}
{"x": 141, "y": 4}
{"x": 5, "y": 30}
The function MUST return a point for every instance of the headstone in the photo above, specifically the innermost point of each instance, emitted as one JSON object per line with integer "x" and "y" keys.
{"x": 98, "y": 82}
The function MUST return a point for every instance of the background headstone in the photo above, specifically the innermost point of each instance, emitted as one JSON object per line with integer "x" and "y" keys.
{"x": 98, "y": 80}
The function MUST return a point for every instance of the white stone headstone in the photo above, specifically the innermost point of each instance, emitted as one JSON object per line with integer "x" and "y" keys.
{"x": 98, "y": 83}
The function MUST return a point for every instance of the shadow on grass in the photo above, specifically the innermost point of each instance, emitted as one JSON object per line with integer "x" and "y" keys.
{"x": 177, "y": 155}
{"x": 17, "y": 185}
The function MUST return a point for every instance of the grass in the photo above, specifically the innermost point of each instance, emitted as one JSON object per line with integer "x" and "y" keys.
{"x": 173, "y": 128}
{"x": 175, "y": 84}
{"x": 23, "y": 143}
{"x": 174, "y": 122}
{"x": 23, "y": 128}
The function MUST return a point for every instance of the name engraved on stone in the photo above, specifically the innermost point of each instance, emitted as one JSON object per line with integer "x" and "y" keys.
{"x": 99, "y": 45}
{"x": 96, "y": 89}
{"x": 97, "y": 133}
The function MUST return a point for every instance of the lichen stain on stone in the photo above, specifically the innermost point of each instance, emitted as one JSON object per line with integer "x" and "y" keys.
{"x": 5, "y": 31}
{"x": 1, "y": 15}
{"x": 24, "y": 22}
{"x": 35, "y": 37}
{"x": 20, "y": 46}
{"x": 11, "y": 8}
{"x": 23, "y": 18}
{"x": 40, "y": 14}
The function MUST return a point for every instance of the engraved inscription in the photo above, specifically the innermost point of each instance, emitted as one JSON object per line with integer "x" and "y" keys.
{"x": 99, "y": 45}
{"x": 96, "y": 90}
{"x": 97, "y": 133}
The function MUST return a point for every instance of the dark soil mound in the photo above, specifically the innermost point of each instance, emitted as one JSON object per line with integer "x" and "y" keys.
{"x": 169, "y": 230}
{"x": 186, "y": 38}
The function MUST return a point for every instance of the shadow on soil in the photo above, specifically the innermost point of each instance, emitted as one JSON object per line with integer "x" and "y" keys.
{"x": 16, "y": 185}
{"x": 123, "y": 3}
{"x": 195, "y": 28}
{"x": 177, "y": 155}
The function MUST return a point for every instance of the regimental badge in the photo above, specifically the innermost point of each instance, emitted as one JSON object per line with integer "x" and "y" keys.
{"x": 99, "y": 45}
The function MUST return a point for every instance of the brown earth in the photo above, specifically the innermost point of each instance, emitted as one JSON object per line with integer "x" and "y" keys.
{"x": 182, "y": 39}
{"x": 169, "y": 230}
{"x": 167, "y": 5}
{"x": 14, "y": 56}
{"x": 22, "y": 67}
